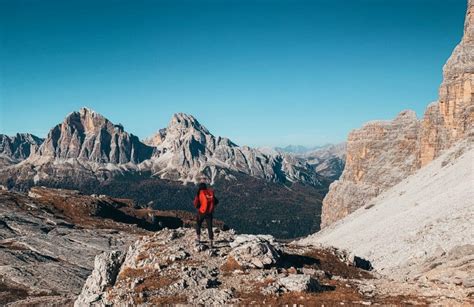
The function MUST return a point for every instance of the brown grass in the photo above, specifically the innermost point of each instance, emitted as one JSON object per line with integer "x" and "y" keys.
{"x": 329, "y": 262}
{"x": 230, "y": 266}
{"x": 155, "y": 282}
{"x": 131, "y": 273}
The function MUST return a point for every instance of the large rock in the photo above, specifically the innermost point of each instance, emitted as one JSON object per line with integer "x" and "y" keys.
{"x": 382, "y": 154}
{"x": 106, "y": 268}
{"x": 255, "y": 251}
{"x": 379, "y": 155}
{"x": 89, "y": 136}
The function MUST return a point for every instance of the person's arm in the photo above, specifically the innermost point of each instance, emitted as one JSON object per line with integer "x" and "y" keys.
{"x": 196, "y": 202}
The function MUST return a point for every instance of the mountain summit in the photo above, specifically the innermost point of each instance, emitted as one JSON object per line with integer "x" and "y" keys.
{"x": 186, "y": 150}
{"x": 89, "y": 136}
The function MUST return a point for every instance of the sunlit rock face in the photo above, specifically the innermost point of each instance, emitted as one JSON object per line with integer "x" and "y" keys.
{"x": 381, "y": 154}
{"x": 89, "y": 136}
{"x": 186, "y": 150}
{"x": 456, "y": 97}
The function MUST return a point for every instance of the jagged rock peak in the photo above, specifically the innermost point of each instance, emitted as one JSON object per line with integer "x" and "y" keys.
{"x": 19, "y": 146}
{"x": 87, "y": 135}
{"x": 186, "y": 121}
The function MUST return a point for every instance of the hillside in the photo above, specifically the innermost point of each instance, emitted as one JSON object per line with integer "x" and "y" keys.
{"x": 421, "y": 229}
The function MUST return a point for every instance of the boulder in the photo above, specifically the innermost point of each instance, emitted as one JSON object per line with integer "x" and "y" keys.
{"x": 106, "y": 268}
{"x": 255, "y": 251}
{"x": 293, "y": 283}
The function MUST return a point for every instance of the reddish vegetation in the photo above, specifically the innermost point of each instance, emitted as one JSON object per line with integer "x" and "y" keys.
{"x": 335, "y": 291}
{"x": 329, "y": 262}
{"x": 230, "y": 265}
{"x": 108, "y": 212}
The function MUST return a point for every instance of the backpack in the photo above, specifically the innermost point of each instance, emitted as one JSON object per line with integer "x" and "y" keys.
{"x": 206, "y": 201}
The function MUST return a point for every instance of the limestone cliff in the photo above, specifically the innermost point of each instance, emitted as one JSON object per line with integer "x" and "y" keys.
{"x": 88, "y": 136}
{"x": 381, "y": 154}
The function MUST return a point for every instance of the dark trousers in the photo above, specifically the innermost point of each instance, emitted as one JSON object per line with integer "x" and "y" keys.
{"x": 199, "y": 219}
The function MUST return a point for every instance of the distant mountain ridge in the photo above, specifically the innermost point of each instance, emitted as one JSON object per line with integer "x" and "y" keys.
{"x": 184, "y": 151}
{"x": 19, "y": 146}
{"x": 89, "y": 153}
{"x": 297, "y": 149}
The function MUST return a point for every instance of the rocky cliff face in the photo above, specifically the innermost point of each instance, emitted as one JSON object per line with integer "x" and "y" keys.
{"x": 88, "y": 136}
{"x": 380, "y": 155}
{"x": 187, "y": 150}
{"x": 421, "y": 230}
{"x": 19, "y": 146}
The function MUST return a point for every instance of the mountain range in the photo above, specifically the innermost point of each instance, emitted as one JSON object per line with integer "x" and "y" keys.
{"x": 88, "y": 152}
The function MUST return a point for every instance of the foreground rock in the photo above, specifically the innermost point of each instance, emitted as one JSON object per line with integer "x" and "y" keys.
{"x": 48, "y": 241}
{"x": 381, "y": 154}
{"x": 168, "y": 268}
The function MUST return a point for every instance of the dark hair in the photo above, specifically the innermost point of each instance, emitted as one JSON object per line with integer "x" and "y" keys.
{"x": 201, "y": 186}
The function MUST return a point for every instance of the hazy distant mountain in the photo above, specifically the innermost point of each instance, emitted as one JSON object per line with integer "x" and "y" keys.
{"x": 297, "y": 149}
{"x": 328, "y": 161}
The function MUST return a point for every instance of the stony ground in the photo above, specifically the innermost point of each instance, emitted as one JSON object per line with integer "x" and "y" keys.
{"x": 49, "y": 239}
{"x": 168, "y": 267}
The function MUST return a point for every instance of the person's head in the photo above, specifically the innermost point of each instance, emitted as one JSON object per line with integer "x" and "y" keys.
{"x": 202, "y": 186}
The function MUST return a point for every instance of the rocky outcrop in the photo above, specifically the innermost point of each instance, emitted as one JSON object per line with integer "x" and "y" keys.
{"x": 88, "y": 136}
{"x": 168, "y": 268}
{"x": 19, "y": 146}
{"x": 49, "y": 238}
{"x": 106, "y": 268}
{"x": 45, "y": 254}
{"x": 381, "y": 155}
{"x": 251, "y": 251}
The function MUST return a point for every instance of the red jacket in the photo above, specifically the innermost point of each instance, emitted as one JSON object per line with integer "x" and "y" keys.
{"x": 205, "y": 201}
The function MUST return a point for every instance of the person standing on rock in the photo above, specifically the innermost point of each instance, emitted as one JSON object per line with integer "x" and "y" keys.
{"x": 205, "y": 202}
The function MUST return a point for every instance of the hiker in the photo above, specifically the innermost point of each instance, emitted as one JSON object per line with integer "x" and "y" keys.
{"x": 205, "y": 202}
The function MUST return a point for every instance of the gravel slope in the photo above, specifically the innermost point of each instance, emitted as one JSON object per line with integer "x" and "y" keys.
{"x": 425, "y": 217}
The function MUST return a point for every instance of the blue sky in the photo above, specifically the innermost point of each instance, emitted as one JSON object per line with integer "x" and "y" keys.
{"x": 262, "y": 73}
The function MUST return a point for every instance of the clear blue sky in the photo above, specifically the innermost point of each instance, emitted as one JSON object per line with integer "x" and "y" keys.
{"x": 262, "y": 73}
